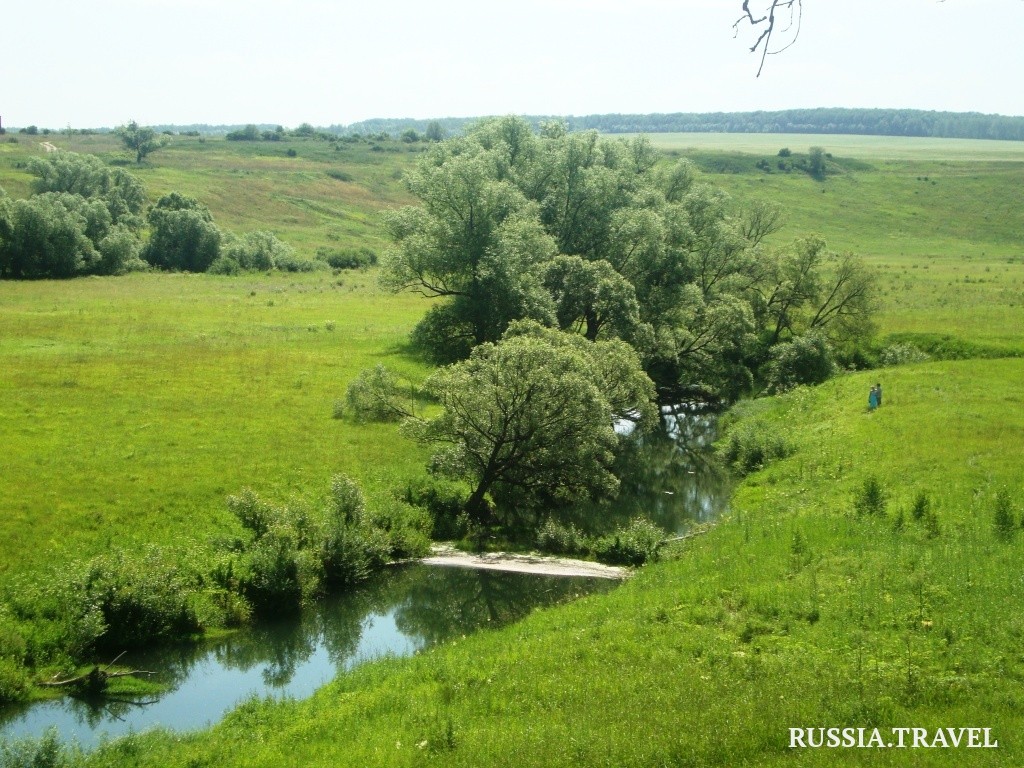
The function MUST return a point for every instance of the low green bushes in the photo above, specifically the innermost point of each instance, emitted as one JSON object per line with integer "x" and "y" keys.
{"x": 129, "y": 599}
{"x": 752, "y": 445}
{"x": 635, "y": 543}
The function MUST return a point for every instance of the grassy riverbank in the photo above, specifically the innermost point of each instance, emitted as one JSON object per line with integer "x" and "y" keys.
{"x": 132, "y": 406}
{"x": 795, "y": 611}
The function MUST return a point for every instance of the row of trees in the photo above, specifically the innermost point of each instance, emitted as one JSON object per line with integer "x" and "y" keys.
{"x": 575, "y": 281}
{"x": 87, "y": 218}
{"x": 873, "y": 122}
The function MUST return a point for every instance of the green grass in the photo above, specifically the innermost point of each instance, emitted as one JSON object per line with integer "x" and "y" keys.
{"x": 792, "y": 612}
{"x": 131, "y": 407}
{"x": 255, "y": 185}
{"x": 882, "y": 148}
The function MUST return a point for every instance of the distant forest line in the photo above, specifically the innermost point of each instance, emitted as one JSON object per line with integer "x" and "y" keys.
{"x": 870, "y": 122}
{"x": 865, "y": 122}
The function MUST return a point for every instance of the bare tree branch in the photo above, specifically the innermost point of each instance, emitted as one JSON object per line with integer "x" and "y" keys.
{"x": 769, "y": 25}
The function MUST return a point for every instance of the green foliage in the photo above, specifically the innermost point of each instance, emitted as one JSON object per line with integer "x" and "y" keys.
{"x": 751, "y": 445}
{"x": 636, "y": 543}
{"x": 183, "y": 236}
{"x": 1004, "y": 521}
{"x": 290, "y": 262}
{"x": 86, "y": 175}
{"x": 138, "y": 139}
{"x": 376, "y": 395}
{"x": 48, "y": 237}
{"x": 296, "y": 551}
{"x": 529, "y": 420}
{"x": 625, "y": 249}
{"x": 142, "y": 598}
{"x": 870, "y": 499}
{"x": 248, "y": 133}
{"x": 257, "y": 251}
{"x": 119, "y": 252}
{"x": 922, "y": 507}
{"x": 444, "y": 501}
{"x": 901, "y": 354}
{"x": 47, "y": 751}
{"x": 559, "y": 539}
{"x": 805, "y": 360}
{"x": 349, "y": 258}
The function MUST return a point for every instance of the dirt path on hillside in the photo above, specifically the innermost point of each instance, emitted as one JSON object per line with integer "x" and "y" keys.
{"x": 48, "y": 146}
{"x": 504, "y": 561}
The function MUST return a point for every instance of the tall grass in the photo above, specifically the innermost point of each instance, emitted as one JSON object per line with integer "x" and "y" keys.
{"x": 131, "y": 407}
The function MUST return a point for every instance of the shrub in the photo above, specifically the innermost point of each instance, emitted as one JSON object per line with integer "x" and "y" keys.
{"x": 870, "y": 499}
{"x": 804, "y": 360}
{"x": 271, "y": 574}
{"x": 223, "y": 265}
{"x": 922, "y": 506}
{"x": 258, "y": 251}
{"x": 352, "y": 258}
{"x": 637, "y": 543}
{"x": 902, "y": 354}
{"x": 561, "y": 539}
{"x": 44, "y": 752}
{"x": 292, "y": 263}
{"x": 374, "y": 396}
{"x": 752, "y": 446}
{"x": 1004, "y": 521}
{"x": 444, "y": 501}
{"x": 142, "y": 597}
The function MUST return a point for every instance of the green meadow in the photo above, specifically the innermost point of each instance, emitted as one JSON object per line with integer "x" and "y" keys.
{"x": 132, "y": 406}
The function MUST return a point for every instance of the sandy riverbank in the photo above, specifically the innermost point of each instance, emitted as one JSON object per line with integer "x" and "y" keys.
{"x": 531, "y": 563}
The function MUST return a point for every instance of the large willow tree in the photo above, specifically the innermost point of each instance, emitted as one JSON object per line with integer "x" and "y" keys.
{"x": 608, "y": 239}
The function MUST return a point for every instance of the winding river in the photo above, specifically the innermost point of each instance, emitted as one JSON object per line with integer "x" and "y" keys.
{"x": 668, "y": 477}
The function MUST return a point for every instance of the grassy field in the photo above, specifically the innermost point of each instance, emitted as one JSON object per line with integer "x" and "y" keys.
{"x": 131, "y": 406}
{"x": 881, "y": 148}
{"x": 793, "y": 612}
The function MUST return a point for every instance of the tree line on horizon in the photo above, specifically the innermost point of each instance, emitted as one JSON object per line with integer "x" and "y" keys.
{"x": 827, "y": 120}
{"x": 868, "y": 122}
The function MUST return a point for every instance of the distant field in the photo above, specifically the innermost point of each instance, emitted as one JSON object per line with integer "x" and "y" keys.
{"x": 327, "y": 195}
{"x": 863, "y": 147}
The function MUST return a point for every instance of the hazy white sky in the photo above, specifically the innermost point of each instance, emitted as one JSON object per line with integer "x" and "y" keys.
{"x": 102, "y": 63}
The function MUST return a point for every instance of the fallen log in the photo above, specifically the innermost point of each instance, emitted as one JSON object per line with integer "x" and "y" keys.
{"x": 95, "y": 680}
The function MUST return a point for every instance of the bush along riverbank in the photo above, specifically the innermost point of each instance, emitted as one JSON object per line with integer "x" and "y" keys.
{"x": 284, "y": 556}
{"x": 832, "y": 595}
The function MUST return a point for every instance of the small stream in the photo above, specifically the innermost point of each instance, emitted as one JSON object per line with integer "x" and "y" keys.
{"x": 668, "y": 477}
{"x": 400, "y": 611}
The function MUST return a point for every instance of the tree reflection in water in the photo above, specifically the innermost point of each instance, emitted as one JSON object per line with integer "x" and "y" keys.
{"x": 670, "y": 476}
{"x": 401, "y": 610}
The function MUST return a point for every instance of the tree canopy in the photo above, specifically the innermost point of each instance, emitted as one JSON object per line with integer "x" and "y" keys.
{"x": 605, "y": 239}
{"x": 139, "y": 139}
{"x": 529, "y": 419}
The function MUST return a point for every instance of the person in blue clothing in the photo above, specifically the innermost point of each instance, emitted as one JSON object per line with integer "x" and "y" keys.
{"x": 878, "y": 392}
{"x": 873, "y": 398}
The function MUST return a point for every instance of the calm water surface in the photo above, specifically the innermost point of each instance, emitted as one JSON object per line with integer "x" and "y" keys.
{"x": 669, "y": 477}
{"x": 404, "y": 609}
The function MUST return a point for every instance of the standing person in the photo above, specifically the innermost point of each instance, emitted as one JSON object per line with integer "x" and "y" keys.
{"x": 872, "y": 399}
{"x": 878, "y": 393}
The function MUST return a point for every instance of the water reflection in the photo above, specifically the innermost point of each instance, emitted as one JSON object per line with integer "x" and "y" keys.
{"x": 669, "y": 476}
{"x": 404, "y": 609}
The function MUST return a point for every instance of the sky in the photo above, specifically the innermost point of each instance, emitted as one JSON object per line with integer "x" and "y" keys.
{"x": 179, "y": 62}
